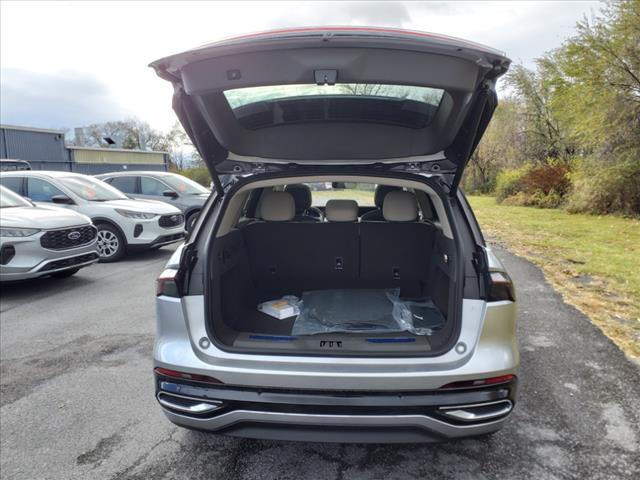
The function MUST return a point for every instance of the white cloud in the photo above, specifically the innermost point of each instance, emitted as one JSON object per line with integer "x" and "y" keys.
{"x": 110, "y": 43}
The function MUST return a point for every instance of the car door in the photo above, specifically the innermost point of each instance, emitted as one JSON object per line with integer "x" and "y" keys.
{"x": 42, "y": 191}
{"x": 153, "y": 189}
{"x": 126, "y": 184}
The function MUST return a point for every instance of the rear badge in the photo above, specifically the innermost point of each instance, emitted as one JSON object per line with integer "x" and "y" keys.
{"x": 330, "y": 344}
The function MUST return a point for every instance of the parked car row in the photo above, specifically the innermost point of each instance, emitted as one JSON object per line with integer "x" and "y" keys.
{"x": 55, "y": 223}
{"x": 181, "y": 192}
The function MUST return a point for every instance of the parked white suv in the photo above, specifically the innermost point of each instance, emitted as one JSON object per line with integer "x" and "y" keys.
{"x": 36, "y": 241}
{"x": 124, "y": 224}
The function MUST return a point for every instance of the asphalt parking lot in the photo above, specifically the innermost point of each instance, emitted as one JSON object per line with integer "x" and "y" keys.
{"x": 77, "y": 397}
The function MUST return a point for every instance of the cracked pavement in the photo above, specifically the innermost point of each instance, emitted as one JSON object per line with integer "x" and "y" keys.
{"x": 77, "y": 397}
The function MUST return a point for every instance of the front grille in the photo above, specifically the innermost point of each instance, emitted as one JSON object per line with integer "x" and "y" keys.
{"x": 70, "y": 262}
{"x": 168, "y": 221}
{"x": 68, "y": 237}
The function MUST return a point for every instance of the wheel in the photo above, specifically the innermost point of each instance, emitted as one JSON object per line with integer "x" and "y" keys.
{"x": 111, "y": 247}
{"x": 191, "y": 221}
{"x": 65, "y": 273}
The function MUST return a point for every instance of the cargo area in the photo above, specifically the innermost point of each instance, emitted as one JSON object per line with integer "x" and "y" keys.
{"x": 356, "y": 282}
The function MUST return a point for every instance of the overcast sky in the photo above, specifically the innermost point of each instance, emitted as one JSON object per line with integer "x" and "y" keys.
{"x": 67, "y": 64}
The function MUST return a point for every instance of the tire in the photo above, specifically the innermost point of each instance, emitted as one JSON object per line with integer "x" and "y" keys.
{"x": 111, "y": 245}
{"x": 65, "y": 273}
{"x": 191, "y": 219}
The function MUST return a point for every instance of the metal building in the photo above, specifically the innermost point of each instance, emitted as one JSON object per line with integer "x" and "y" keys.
{"x": 46, "y": 150}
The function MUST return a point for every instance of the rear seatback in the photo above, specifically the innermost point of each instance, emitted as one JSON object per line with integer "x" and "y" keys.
{"x": 300, "y": 256}
{"x": 397, "y": 252}
{"x": 291, "y": 257}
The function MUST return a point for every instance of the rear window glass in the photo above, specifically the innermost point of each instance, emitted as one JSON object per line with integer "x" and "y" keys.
{"x": 362, "y": 193}
{"x": 239, "y": 97}
{"x": 401, "y": 105}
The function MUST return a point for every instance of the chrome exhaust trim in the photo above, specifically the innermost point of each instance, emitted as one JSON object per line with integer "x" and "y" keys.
{"x": 466, "y": 413}
{"x": 196, "y": 407}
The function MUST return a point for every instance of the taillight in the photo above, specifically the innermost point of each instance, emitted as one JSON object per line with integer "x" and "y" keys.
{"x": 192, "y": 377}
{"x": 500, "y": 287}
{"x": 166, "y": 283}
{"x": 483, "y": 382}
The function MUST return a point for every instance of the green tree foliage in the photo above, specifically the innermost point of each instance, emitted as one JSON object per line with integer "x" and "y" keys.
{"x": 573, "y": 125}
{"x": 500, "y": 148}
{"x": 543, "y": 135}
{"x": 596, "y": 81}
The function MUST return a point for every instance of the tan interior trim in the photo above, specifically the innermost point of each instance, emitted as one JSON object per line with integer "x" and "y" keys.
{"x": 234, "y": 209}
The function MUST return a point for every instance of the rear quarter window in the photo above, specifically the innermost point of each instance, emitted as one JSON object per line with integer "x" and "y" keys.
{"x": 124, "y": 184}
{"x": 12, "y": 183}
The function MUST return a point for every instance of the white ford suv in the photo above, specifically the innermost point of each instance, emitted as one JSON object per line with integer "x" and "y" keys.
{"x": 123, "y": 224}
{"x": 36, "y": 241}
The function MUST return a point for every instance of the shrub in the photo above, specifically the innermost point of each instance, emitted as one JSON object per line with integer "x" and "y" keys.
{"x": 542, "y": 185}
{"x": 602, "y": 188}
{"x": 509, "y": 182}
{"x": 547, "y": 179}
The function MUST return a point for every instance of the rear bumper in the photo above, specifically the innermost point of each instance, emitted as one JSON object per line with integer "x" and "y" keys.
{"x": 374, "y": 417}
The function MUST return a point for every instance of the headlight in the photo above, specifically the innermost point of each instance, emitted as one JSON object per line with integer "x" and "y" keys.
{"x": 17, "y": 232}
{"x": 133, "y": 214}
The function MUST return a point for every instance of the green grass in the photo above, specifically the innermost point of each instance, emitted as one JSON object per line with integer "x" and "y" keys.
{"x": 594, "y": 261}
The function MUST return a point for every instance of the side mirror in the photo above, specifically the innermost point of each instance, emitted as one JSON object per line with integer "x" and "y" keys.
{"x": 62, "y": 200}
{"x": 170, "y": 194}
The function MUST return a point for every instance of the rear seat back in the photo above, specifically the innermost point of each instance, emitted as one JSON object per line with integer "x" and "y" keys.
{"x": 313, "y": 255}
{"x": 341, "y": 253}
{"x": 397, "y": 252}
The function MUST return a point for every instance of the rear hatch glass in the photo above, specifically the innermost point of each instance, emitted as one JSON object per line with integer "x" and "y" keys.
{"x": 265, "y": 106}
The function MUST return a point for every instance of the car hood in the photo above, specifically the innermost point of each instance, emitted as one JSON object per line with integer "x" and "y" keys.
{"x": 236, "y": 133}
{"x": 150, "y": 206}
{"x": 41, "y": 217}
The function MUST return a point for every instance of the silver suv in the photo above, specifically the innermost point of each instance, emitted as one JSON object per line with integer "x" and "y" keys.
{"x": 370, "y": 310}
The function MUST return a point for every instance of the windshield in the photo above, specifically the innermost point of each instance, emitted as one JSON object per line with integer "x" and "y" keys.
{"x": 184, "y": 185}
{"x": 92, "y": 189}
{"x": 11, "y": 199}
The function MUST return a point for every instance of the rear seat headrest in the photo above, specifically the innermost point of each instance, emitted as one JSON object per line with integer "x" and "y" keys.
{"x": 400, "y": 206}
{"x": 341, "y": 211}
{"x": 277, "y": 206}
{"x": 301, "y": 196}
{"x": 381, "y": 192}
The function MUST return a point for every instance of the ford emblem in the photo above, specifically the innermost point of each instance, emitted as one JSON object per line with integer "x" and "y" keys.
{"x": 73, "y": 235}
{"x": 174, "y": 218}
